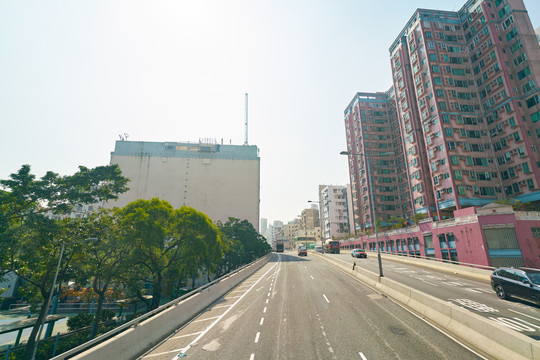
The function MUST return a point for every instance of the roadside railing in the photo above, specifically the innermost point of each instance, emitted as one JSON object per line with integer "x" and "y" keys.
{"x": 135, "y": 322}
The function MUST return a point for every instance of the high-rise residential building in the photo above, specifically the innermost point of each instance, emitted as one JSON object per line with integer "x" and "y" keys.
{"x": 467, "y": 105}
{"x": 375, "y": 143}
{"x": 220, "y": 180}
{"x": 466, "y": 86}
{"x": 335, "y": 211}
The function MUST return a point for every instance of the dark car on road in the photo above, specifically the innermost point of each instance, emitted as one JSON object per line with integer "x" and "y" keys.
{"x": 523, "y": 283}
{"x": 359, "y": 253}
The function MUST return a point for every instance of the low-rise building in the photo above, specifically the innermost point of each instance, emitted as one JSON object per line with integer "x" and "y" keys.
{"x": 492, "y": 235}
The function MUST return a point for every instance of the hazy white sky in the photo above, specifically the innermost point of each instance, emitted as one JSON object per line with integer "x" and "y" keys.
{"x": 76, "y": 74}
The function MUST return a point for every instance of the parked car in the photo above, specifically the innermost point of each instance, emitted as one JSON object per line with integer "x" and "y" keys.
{"x": 302, "y": 251}
{"x": 523, "y": 283}
{"x": 318, "y": 249}
{"x": 359, "y": 253}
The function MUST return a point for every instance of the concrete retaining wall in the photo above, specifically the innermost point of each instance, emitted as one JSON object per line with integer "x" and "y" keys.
{"x": 136, "y": 340}
{"x": 488, "y": 336}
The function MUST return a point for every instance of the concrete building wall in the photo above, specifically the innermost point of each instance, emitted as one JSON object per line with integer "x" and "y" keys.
{"x": 222, "y": 181}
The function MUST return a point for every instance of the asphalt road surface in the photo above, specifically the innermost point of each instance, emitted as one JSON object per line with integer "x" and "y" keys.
{"x": 303, "y": 308}
{"x": 474, "y": 295}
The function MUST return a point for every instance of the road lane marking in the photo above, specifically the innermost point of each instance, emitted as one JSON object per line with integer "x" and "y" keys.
{"x": 325, "y": 298}
{"x": 520, "y": 313}
{"x": 184, "y": 350}
{"x": 257, "y": 337}
{"x": 268, "y": 294}
{"x": 474, "y": 291}
{"x": 205, "y": 319}
{"x": 163, "y": 353}
{"x": 182, "y": 336}
{"x": 252, "y": 357}
{"x": 362, "y": 356}
{"x": 312, "y": 278}
{"x": 264, "y": 309}
{"x": 221, "y": 306}
{"x": 262, "y": 320}
{"x": 267, "y": 301}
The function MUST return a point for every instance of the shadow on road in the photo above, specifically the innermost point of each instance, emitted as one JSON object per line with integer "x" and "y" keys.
{"x": 289, "y": 258}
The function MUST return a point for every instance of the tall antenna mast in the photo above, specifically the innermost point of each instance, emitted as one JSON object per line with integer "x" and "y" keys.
{"x": 246, "y": 138}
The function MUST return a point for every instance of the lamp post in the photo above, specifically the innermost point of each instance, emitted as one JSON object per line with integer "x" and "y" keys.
{"x": 373, "y": 216}
{"x": 321, "y": 225}
{"x": 46, "y": 305}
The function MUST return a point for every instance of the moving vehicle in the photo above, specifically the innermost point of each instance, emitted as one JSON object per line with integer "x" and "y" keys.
{"x": 523, "y": 283}
{"x": 302, "y": 251}
{"x": 318, "y": 249}
{"x": 331, "y": 246}
{"x": 279, "y": 246}
{"x": 359, "y": 253}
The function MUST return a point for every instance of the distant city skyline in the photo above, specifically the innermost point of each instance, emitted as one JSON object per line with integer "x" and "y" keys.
{"x": 76, "y": 76}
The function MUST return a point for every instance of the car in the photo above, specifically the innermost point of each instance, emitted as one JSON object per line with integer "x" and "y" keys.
{"x": 359, "y": 253}
{"x": 302, "y": 251}
{"x": 523, "y": 283}
{"x": 318, "y": 249}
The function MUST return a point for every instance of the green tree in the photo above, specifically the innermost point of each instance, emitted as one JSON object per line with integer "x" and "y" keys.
{"x": 30, "y": 242}
{"x": 149, "y": 224}
{"x": 200, "y": 239}
{"x": 253, "y": 244}
{"x": 103, "y": 263}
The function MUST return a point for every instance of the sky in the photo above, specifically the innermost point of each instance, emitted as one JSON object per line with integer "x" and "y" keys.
{"x": 74, "y": 75}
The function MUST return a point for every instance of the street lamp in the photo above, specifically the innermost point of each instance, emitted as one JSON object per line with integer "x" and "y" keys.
{"x": 373, "y": 216}
{"x": 52, "y": 290}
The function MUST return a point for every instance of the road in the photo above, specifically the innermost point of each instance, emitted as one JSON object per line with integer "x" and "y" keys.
{"x": 476, "y": 296}
{"x": 303, "y": 308}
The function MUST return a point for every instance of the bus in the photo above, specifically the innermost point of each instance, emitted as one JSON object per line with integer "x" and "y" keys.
{"x": 331, "y": 246}
{"x": 279, "y": 246}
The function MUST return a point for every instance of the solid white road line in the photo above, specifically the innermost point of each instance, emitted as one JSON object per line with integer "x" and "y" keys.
{"x": 184, "y": 350}
{"x": 325, "y": 298}
{"x": 520, "y": 313}
{"x": 257, "y": 337}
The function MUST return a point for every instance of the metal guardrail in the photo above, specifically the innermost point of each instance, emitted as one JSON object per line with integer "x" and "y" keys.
{"x": 67, "y": 306}
{"x": 135, "y": 322}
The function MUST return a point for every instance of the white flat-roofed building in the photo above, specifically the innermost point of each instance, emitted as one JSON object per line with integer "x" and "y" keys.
{"x": 220, "y": 180}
